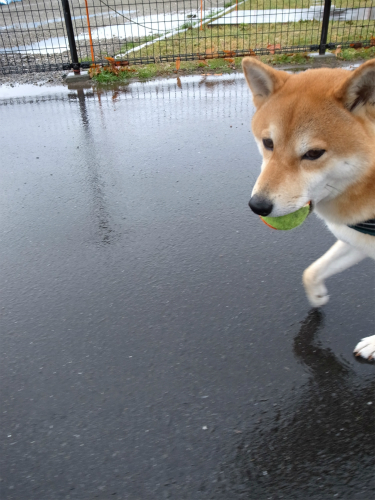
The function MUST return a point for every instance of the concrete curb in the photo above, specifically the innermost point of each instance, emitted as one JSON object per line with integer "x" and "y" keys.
{"x": 77, "y": 78}
{"x": 327, "y": 55}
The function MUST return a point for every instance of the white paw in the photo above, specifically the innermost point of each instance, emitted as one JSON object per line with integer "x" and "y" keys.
{"x": 366, "y": 348}
{"x": 316, "y": 291}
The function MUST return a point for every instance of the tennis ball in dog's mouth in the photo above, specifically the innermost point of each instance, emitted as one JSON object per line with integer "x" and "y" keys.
{"x": 290, "y": 221}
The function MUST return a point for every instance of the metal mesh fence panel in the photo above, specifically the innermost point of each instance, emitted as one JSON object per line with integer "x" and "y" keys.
{"x": 33, "y": 34}
{"x": 153, "y": 31}
{"x": 352, "y": 22}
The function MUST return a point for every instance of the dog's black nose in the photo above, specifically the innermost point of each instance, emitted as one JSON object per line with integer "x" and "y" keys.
{"x": 260, "y": 205}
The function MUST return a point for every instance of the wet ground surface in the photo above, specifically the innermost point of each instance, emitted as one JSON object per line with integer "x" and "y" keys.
{"x": 155, "y": 338}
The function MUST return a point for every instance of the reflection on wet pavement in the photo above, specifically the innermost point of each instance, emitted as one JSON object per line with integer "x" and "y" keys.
{"x": 156, "y": 341}
{"x": 318, "y": 443}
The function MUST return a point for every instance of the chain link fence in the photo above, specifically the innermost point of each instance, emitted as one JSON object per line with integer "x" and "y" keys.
{"x": 40, "y": 35}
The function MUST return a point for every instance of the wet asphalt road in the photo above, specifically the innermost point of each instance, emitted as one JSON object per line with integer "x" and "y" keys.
{"x": 155, "y": 337}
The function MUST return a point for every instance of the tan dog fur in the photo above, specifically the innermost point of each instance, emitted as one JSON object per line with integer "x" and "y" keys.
{"x": 319, "y": 109}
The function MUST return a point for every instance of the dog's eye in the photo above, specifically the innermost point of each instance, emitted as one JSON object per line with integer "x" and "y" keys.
{"x": 268, "y": 144}
{"x": 313, "y": 154}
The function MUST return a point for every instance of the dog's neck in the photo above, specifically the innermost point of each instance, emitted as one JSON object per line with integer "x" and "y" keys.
{"x": 352, "y": 205}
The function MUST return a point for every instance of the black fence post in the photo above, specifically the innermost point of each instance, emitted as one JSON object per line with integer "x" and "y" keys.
{"x": 71, "y": 39}
{"x": 323, "y": 37}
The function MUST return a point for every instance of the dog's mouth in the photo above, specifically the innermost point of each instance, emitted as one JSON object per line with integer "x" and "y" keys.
{"x": 310, "y": 203}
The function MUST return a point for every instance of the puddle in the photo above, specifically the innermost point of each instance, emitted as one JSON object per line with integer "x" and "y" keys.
{"x": 168, "y": 23}
{"x": 34, "y": 24}
{"x": 152, "y": 86}
{"x": 151, "y": 25}
{"x": 55, "y": 45}
{"x": 272, "y": 16}
{"x": 161, "y": 24}
{"x": 129, "y": 90}
{"x": 28, "y": 90}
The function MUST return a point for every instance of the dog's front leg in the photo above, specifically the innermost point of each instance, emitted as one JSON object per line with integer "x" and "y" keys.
{"x": 339, "y": 257}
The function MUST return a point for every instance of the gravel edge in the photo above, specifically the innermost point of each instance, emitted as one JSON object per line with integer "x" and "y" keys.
{"x": 48, "y": 78}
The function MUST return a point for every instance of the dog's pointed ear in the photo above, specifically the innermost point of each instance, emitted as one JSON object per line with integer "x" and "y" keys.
{"x": 359, "y": 88}
{"x": 262, "y": 80}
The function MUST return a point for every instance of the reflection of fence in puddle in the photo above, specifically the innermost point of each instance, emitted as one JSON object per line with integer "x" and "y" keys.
{"x": 88, "y": 116}
{"x": 222, "y": 95}
{"x": 225, "y": 95}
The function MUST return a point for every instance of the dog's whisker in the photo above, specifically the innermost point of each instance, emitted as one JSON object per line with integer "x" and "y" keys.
{"x": 332, "y": 187}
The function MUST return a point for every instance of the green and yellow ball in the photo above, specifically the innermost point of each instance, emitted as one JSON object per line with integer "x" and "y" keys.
{"x": 290, "y": 221}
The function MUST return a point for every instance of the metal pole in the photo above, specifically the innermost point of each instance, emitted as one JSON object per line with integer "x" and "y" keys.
{"x": 71, "y": 39}
{"x": 89, "y": 27}
{"x": 323, "y": 37}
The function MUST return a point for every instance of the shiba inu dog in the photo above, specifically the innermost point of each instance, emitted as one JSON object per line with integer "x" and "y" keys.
{"x": 316, "y": 133}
